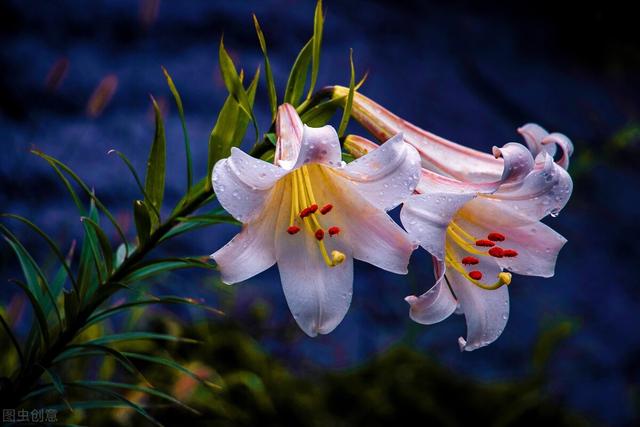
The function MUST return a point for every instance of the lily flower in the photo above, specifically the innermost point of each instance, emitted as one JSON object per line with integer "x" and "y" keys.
{"x": 312, "y": 214}
{"x": 476, "y": 229}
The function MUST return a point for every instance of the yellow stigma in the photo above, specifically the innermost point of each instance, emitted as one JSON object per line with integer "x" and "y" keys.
{"x": 337, "y": 257}
{"x": 504, "y": 277}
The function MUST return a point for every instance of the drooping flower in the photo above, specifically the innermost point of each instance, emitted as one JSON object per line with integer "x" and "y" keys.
{"x": 477, "y": 216}
{"x": 312, "y": 214}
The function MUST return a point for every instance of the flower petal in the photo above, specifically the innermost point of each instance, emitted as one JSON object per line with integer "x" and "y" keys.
{"x": 252, "y": 250}
{"x": 427, "y": 216}
{"x": 436, "y": 304}
{"x": 318, "y": 295}
{"x": 533, "y": 135}
{"x": 373, "y": 236}
{"x": 243, "y": 183}
{"x": 517, "y": 164}
{"x": 289, "y": 130}
{"x": 319, "y": 145}
{"x": 537, "y": 245}
{"x": 565, "y": 145}
{"x": 486, "y": 311}
{"x": 387, "y": 175}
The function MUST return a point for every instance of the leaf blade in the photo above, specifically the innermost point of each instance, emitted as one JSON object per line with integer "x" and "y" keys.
{"x": 156, "y": 163}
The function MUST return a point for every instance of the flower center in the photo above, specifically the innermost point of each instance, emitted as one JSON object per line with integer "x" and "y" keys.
{"x": 482, "y": 247}
{"x": 305, "y": 214}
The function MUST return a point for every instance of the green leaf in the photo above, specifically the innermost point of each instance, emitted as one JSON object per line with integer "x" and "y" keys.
{"x": 170, "y": 364}
{"x": 271, "y": 86}
{"x": 216, "y": 216}
{"x": 138, "y": 336}
{"x": 57, "y": 385}
{"x": 319, "y": 115}
{"x": 41, "y": 318}
{"x": 103, "y": 240}
{"x": 346, "y": 113}
{"x": 137, "y": 179}
{"x": 142, "y": 220}
{"x": 71, "y": 306}
{"x": 298, "y": 75}
{"x": 156, "y": 164}
{"x": 229, "y": 130}
{"x": 13, "y": 339}
{"x": 269, "y": 156}
{"x": 155, "y": 267}
{"x": 88, "y": 350}
{"x": 271, "y": 137}
{"x": 88, "y": 276}
{"x": 187, "y": 148}
{"x": 234, "y": 85}
{"x": 318, "y": 25}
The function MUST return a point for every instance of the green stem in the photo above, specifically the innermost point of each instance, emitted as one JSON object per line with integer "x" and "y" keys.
{"x": 25, "y": 380}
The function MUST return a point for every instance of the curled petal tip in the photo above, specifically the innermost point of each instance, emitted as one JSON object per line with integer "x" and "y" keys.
{"x": 462, "y": 343}
{"x": 411, "y": 299}
{"x": 496, "y": 152}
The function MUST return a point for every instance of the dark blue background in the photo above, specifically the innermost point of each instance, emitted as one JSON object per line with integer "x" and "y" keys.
{"x": 470, "y": 72}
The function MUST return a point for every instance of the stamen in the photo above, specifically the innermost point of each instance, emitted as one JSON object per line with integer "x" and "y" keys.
{"x": 313, "y": 208}
{"x": 496, "y": 237}
{"x": 485, "y": 243}
{"x": 326, "y": 208}
{"x": 509, "y": 253}
{"x": 470, "y": 260}
{"x": 333, "y": 230}
{"x": 504, "y": 278}
{"x": 293, "y": 229}
{"x": 337, "y": 257}
{"x": 475, "y": 275}
{"x": 320, "y": 234}
{"x": 496, "y": 251}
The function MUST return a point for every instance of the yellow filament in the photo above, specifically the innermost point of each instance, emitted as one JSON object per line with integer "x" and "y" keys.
{"x": 460, "y": 241}
{"x": 504, "y": 278}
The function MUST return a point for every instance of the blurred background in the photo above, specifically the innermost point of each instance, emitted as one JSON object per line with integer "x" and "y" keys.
{"x": 74, "y": 82}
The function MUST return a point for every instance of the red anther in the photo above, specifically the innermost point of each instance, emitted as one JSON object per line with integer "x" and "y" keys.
{"x": 313, "y": 208}
{"x": 475, "y": 275}
{"x": 470, "y": 260}
{"x": 496, "y": 237}
{"x": 320, "y": 234}
{"x": 484, "y": 242}
{"x": 496, "y": 251}
{"x": 333, "y": 230}
{"x": 509, "y": 253}
{"x": 304, "y": 213}
{"x": 293, "y": 229}
{"x": 326, "y": 208}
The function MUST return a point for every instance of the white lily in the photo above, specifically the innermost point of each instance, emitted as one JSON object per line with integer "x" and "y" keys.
{"x": 477, "y": 215}
{"x": 312, "y": 214}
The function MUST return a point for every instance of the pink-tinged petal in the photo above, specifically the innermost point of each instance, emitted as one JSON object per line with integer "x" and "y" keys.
{"x": 436, "y": 304}
{"x": 536, "y": 244}
{"x": 486, "y": 311}
{"x": 320, "y": 145}
{"x": 318, "y": 295}
{"x": 427, "y": 216}
{"x": 517, "y": 164}
{"x": 546, "y": 190}
{"x": 252, "y": 250}
{"x": 243, "y": 183}
{"x": 387, "y": 175}
{"x": 565, "y": 144}
{"x": 289, "y": 130}
{"x": 533, "y": 135}
{"x": 437, "y": 154}
{"x": 373, "y": 236}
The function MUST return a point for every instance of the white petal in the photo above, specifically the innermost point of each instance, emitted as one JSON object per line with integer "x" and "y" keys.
{"x": 318, "y": 295}
{"x": 387, "y": 175}
{"x": 252, "y": 250}
{"x": 319, "y": 145}
{"x": 565, "y": 145}
{"x": 533, "y": 135}
{"x": 373, "y": 236}
{"x": 537, "y": 245}
{"x": 436, "y": 304}
{"x": 289, "y": 130}
{"x": 486, "y": 311}
{"x": 243, "y": 183}
{"x": 427, "y": 216}
{"x": 517, "y": 164}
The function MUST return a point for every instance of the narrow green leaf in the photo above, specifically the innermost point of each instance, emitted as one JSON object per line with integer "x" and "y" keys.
{"x": 320, "y": 114}
{"x": 91, "y": 268}
{"x": 187, "y": 147}
{"x": 103, "y": 240}
{"x": 192, "y": 225}
{"x": 234, "y": 85}
{"x": 271, "y": 137}
{"x": 298, "y": 75}
{"x": 55, "y": 249}
{"x": 318, "y": 25}
{"x": 71, "y": 306}
{"x": 170, "y": 364}
{"x": 155, "y": 267}
{"x": 156, "y": 164}
{"x": 87, "y": 350}
{"x": 346, "y": 113}
{"x": 271, "y": 86}
{"x": 142, "y": 220}
{"x": 138, "y": 336}
{"x": 13, "y": 339}
{"x": 137, "y": 179}
{"x": 41, "y": 318}
{"x": 57, "y": 385}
